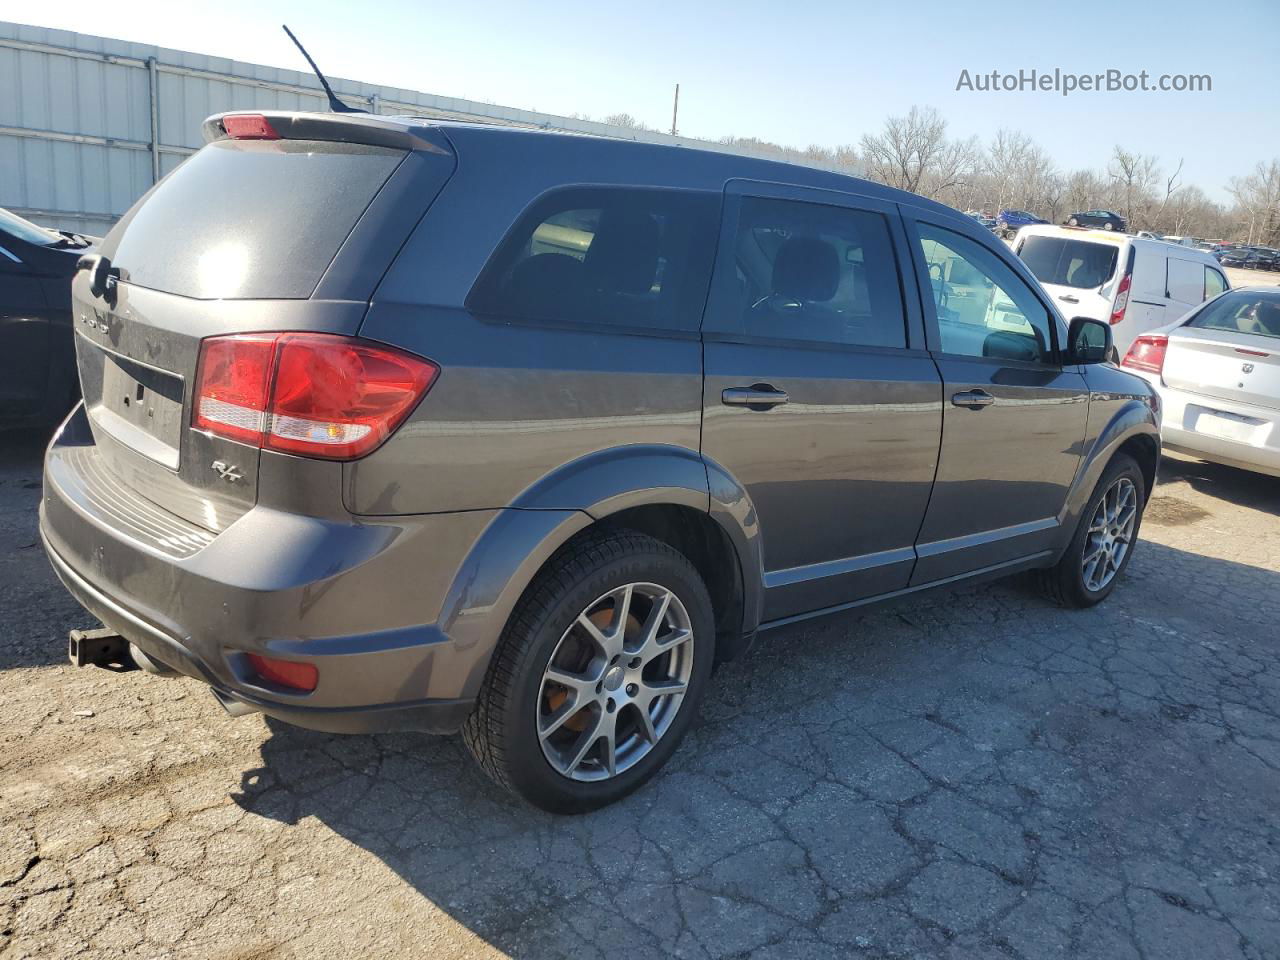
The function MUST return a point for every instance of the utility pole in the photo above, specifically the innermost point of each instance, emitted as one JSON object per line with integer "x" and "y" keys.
{"x": 675, "y": 110}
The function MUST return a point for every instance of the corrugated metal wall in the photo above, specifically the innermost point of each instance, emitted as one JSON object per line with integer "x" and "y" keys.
{"x": 88, "y": 123}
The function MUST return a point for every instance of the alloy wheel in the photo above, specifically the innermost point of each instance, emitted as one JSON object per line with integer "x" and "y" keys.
{"x": 615, "y": 682}
{"x": 1110, "y": 534}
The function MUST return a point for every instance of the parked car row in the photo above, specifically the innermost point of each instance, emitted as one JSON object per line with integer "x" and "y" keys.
{"x": 1249, "y": 258}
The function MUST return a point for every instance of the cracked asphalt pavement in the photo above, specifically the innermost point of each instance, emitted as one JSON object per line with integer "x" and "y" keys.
{"x": 967, "y": 775}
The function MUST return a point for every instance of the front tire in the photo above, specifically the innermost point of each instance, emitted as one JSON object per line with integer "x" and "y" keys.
{"x": 1103, "y": 543}
{"x": 1108, "y": 225}
{"x": 597, "y": 676}
{"x": 1073, "y": 222}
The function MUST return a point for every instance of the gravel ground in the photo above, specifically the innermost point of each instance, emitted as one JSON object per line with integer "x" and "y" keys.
{"x": 1252, "y": 278}
{"x": 972, "y": 774}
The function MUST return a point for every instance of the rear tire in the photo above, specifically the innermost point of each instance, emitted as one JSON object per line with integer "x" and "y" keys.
{"x": 1069, "y": 582}
{"x": 564, "y": 726}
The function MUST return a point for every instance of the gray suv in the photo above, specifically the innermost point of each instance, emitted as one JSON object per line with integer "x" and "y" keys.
{"x": 391, "y": 424}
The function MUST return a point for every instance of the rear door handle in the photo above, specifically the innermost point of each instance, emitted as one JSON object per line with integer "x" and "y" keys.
{"x": 973, "y": 399}
{"x": 758, "y": 396}
{"x": 1068, "y": 298}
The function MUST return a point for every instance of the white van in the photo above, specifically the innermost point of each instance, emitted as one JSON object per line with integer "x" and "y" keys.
{"x": 1134, "y": 283}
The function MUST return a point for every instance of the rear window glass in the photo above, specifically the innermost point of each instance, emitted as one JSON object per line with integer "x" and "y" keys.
{"x": 250, "y": 219}
{"x": 609, "y": 255}
{"x": 1242, "y": 312}
{"x": 1069, "y": 263}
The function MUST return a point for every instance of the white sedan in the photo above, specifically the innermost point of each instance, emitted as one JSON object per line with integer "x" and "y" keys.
{"x": 1217, "y": 371}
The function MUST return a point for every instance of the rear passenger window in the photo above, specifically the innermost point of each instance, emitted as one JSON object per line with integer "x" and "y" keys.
{"x": 808, "y": 271}
{"x": 605, "y": 255}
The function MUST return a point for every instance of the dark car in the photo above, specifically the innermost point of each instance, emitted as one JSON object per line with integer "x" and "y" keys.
{"x": 438, "y": 426}
{"x": 1008, "y": 222}
{"x": 1245, "y": 257}
{"x": 1268, "y": 259}
{"x": 1106, "y": 219}
{"x": 37, "y": 356}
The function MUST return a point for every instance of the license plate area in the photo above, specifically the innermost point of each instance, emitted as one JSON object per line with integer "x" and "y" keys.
{"x": 1226, "y": 426}
{"x": 142, "y": 407}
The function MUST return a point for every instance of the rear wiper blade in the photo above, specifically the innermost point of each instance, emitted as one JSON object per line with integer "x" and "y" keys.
{"x": 68, "y": 239}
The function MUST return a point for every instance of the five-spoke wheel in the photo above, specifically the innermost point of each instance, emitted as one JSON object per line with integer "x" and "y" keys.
{"x": 598, "y": 675}
{"x": 1110, "y": 534}
{"x": 615, "y": 681}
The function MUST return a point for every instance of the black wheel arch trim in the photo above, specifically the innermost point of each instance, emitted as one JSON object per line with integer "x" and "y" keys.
{"x": 580, "y": 495}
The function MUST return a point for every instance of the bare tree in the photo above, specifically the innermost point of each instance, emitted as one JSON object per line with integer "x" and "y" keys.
{"x": 627, "y": 121}
{"x": 1133, "y": 177}
{"x": 908, "y": 150}
{"x": 1083, "y": 189}
{"x": 1258, "y": 197}
{"x": 1019, "y": 169}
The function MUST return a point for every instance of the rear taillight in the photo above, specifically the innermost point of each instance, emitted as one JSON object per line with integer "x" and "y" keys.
{"x": 249, "y": 126}
{"x": 1147, "y": 353}
{"x": 285, "y": 673}
{"x": 312, "y": 394}
{"x": 1122, "y": 299}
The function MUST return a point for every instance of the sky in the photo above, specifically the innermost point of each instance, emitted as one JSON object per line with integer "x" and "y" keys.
{"x": 805, "y": 72}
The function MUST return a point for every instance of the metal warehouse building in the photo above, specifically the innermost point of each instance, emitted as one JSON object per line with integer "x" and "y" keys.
{"x": 88, "y": 124}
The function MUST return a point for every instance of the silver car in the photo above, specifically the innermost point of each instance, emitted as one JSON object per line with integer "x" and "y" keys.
{"x": 1217, "y": 371}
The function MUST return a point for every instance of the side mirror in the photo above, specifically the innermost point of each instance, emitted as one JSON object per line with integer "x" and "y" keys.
{"x": 1088, "y": 341}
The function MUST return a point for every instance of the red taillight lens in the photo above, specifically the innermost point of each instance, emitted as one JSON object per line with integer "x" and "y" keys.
{"x": 340, "y": 398}
{"x": 285, "y": 673}
{"x": 249, "y": 126}
{"x": 1147, "y": 353}
{"x": 313, "y": 394}
{"x": 232, "y": 383}
{"x": 1122, "y": 299}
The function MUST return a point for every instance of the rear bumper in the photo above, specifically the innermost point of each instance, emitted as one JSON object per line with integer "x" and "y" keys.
{"x": 1195, "y": 425}
{"x": 429, "y": 716}
{"x": 359, "y": 600}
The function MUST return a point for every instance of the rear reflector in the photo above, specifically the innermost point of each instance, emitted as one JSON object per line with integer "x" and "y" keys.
{"x": 311, "y": 394}
{"x": 1147, "y": 353}
{"x": 285, "y": 673}
{"x": 249, "y": 126}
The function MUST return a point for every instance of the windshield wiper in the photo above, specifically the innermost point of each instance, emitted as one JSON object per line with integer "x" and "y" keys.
{"x": 68, "y": 239}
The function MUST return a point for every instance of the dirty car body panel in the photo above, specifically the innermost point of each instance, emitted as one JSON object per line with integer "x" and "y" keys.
{"x": 395, "y": 573}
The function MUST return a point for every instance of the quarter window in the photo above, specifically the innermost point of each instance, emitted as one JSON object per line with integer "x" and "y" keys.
{"x": 808, "y": 271}
{"x": 605, "y": 255}
{"x": 984, "y": 309}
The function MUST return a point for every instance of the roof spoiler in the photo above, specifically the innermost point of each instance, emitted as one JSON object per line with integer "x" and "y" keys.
{"x": 401, "y": 133}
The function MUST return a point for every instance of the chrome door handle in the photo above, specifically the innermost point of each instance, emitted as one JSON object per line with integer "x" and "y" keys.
{"x": 759, "y": 396}
{"x": 1068, "y": 298}
{"x": 973, "y": 399}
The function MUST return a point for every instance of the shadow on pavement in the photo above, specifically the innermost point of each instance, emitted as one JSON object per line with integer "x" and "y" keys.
{"x": 975, "y": 773}
{"x": 37, "y": 610}
{"x": 1241, "y": 487}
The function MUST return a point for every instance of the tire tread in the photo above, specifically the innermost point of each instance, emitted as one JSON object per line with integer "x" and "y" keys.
{"x": 483, "y": 731}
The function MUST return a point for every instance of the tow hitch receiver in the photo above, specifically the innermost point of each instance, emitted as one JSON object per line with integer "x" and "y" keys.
{"x": 99, "y": 648}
